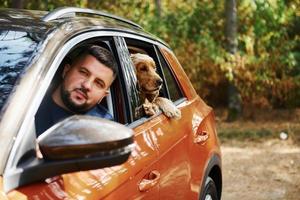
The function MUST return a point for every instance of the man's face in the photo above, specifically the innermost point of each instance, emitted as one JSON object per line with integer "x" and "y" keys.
{"x": 85, "y": 83}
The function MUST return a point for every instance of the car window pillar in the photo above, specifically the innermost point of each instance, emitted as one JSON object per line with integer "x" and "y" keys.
{"x": 128, "y": 72}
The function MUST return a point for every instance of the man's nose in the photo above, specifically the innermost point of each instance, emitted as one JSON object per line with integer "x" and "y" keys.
{"x": 87, "y": 84}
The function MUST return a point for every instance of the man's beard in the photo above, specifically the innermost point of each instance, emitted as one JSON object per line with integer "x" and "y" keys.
{"x": 70, "y": 104}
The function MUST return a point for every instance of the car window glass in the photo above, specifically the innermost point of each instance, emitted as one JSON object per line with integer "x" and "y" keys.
{"x": 16, "y": 50}
{"x": 172, "y": 84}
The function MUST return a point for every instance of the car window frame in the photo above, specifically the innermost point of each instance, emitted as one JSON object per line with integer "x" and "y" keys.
{"x": 21, "y": 138}
{"x": 148, "y": 47}
{"x": 41, "y": 68}
{"x": 151, "y": 48}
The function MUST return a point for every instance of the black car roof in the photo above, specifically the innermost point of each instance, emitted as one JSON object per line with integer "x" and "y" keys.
{"x": 43, "y": 21}
{"x": 23, "y": 20}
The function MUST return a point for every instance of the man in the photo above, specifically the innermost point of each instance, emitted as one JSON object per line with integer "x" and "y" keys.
{"x": 85, "y": 82}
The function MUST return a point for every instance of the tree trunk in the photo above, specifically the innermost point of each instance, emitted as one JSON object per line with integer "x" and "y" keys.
{"x": 17, "y": 4}
{"x": 230, "y": 26}
{"x": 158, "y": 8}
{"x": 234, "y": 100}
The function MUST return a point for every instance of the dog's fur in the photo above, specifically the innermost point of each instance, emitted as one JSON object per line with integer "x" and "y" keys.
{"x": 149, "y": 83}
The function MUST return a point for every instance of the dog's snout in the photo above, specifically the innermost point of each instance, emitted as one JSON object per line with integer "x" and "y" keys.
{"x": 159, "y": 82}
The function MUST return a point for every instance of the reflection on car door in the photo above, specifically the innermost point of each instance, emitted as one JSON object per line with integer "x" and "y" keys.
{"x": 142, "y": 181}
{"x": 169, "y": 136}
{"x": 197, "y": 120}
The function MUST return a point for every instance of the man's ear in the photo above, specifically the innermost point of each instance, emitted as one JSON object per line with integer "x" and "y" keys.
{"x": 67, "y": 67}
{"x": 106, "y": 93}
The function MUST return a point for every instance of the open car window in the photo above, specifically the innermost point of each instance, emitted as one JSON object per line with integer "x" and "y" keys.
{"x": 141, "y": 47}
{"x": 107, "y": 105}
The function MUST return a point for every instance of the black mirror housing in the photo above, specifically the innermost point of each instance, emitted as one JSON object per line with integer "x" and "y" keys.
{"x": 82, "y": 137}
{"x": 77, "y": 143}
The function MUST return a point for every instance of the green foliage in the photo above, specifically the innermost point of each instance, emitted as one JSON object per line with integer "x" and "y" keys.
{"x": 4, "y": 3}
{"x": 269, "y": 54}
{"x": 266, "y": 68}
{"x": 52, "y": 4}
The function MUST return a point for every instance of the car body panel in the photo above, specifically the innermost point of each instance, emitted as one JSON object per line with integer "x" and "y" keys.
{"x": 196, "y": 117}
{"x": 97, "y": 184}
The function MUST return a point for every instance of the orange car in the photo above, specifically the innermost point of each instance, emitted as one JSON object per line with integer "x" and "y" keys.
{"x": 132, "y": 157}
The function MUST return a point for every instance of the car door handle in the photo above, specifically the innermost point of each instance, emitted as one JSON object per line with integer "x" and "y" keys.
{"x": 150, "y": 181}
{"x": 201, "y": 137}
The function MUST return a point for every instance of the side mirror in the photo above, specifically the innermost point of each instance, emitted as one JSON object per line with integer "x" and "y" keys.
{"x": 77, "y": 143}
{"x": 84, "y": 137}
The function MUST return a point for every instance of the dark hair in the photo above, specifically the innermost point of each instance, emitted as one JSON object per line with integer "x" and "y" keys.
{"x": 102, "y": 55}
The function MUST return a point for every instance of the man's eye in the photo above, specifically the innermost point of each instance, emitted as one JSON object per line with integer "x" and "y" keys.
{"x": 83, "y": 72}
{"x": 99, "y": 84}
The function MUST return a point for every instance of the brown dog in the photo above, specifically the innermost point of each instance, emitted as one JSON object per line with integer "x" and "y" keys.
{"x": 149, "y": 83}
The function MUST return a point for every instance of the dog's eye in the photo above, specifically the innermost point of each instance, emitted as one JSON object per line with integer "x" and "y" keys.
{"x": 143, "y": 68}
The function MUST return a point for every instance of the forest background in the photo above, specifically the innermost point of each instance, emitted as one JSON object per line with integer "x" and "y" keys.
{"x": 257, "y": 72}
{"x": 264, "y": 69}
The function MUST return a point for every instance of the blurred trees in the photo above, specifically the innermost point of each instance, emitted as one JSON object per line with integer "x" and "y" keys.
{"x": 234, "y": 100}
{"x": 17, "y": 4}
{"x": 265, "y": 68}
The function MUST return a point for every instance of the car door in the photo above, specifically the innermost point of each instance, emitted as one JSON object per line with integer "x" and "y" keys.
{"x": 172, "y": 139}
{"x": 200, "y": 130}
{"x": 169, "y": 135}
{"x": 119, "y": 182}
{"x": 133, "y": 179}
{"x": 143, "y": 181}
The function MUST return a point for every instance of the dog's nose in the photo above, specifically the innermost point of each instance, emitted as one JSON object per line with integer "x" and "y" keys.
{"x": 159, "y": 82}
